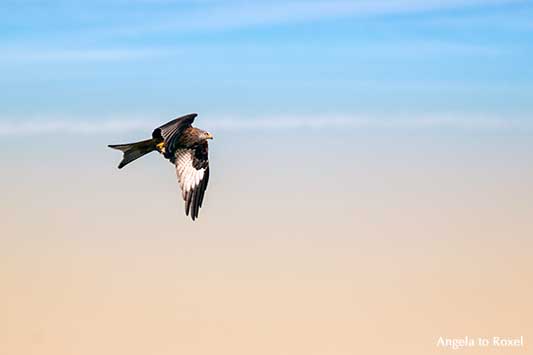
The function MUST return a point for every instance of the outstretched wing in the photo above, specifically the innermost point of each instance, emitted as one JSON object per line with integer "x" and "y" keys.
{"x": 192, "y": 168}
{"x": 171, "y": 131}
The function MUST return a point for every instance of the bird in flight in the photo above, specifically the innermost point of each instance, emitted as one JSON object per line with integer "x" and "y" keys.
{"x": 184, "y": 146}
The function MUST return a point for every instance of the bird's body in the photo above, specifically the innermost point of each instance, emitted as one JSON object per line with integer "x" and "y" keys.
{"x": 184, "y": 146}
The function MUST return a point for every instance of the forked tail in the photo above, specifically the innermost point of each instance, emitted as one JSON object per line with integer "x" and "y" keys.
{"x": 133, "y": 151}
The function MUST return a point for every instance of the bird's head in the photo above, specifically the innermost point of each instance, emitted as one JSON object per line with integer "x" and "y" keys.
{"x": 206, "y": 135}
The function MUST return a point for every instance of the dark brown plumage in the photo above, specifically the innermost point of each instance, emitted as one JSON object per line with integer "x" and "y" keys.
{"x": 184, "y": 146}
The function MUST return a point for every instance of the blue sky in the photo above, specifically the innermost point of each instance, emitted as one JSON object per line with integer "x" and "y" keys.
{"x": 467, "y": 62}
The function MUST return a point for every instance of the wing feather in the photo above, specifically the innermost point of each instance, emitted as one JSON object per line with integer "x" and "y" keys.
{"x": 171, "y": 131}
{"x": 192, "y": 169}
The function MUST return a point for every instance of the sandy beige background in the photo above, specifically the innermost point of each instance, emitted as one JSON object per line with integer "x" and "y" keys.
{"x": 367, "y": 243}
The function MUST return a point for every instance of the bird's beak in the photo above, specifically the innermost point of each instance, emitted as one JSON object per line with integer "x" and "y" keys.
{"x": 209, "y": 136}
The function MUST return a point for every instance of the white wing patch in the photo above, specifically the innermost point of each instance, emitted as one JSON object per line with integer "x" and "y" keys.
{"x": 188, "y": 176}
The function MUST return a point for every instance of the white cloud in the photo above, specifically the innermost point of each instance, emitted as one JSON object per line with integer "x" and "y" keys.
{"x": 87, "y": 54}
{"x": 88, "y": 127}
{"x": 400, "y": 48}
{"x": 239, "y": 14}
{"x": 53, "y": 126}
{"x": 216, "y": 15}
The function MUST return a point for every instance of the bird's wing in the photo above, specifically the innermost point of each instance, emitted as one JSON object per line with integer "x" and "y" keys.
{"x": 192, "y": 168}
{"x": 173, "y": 129}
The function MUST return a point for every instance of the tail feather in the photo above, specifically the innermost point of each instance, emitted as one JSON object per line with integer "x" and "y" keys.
{"x": 134, "y": 151}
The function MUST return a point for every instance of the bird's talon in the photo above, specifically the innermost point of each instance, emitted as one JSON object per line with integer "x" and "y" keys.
{"x": 161, "y": 147}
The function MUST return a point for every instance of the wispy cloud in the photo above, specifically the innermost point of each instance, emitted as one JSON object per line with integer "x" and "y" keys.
{"x": 191, "y": 17}
{"x": 364, "y": 121}
{"x": 83, "y": 54}
{"x": 53, "y": 126}
{"x": 220, "y": 15}
{"x": 514, "y": 20}
{"x": 382, "y": 48}
{"x": 88, "y": 127}
{"x": 145, "y": 16}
